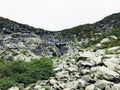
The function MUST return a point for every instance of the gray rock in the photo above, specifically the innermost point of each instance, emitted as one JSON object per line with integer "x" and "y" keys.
{"x": 113, "y": 37}
{"x": 60, "y": 75}
{"x": 85, "y": 71}
{"x": 116, "y": 87}
{"x": 72, "y": 69}
{"x": 101, "y": 84}
{"x": 53, "y": 81}
{"x": 114, "y": 48}
{"x": 41, "y": 82}
{"x": 57, "y": 69}
{"x": 103, "y": 72}
{"x": 87, "y": 54}
{"x": 66, "y": 89}
{"x": 72, "y": 85}
{"x": 22, "y": 58}
{"x": 82, "y": 83}
{"x": 87, "y": 63}
{"x": 100, "y": 52}
{"x": 90, "y": 87}
{"x": 105, "y": 40}
{"x": 14, "y": 88}
{"x": 97, "y": 60}
{"x": 98, "y": 45}
{"x": 112, "y": 66}
{"x": 62, "y": 85}
{"x": 38, "y": 87}
{"x": 87, "y": 78}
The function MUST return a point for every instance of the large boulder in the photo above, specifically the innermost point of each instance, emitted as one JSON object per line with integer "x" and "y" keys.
{"x": 90, "y": 87}
{"x": 112, "y": 63}
{"x": 105, "y": 73}
{"x": 53, "y": 81}
{"x": 105, "y": 40}
{"x": 116, "y": 87}
{"x": 87, "y": 54}
{"x": 72, "y": 69}
{"x": 113, "y": 37}
{"x": 102, "y": 84}
{"x": 61, "y": 75}
{"x": 72, "y": 85}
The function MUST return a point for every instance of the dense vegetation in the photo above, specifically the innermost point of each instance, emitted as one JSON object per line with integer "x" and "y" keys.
{"x": 24, "y": 72}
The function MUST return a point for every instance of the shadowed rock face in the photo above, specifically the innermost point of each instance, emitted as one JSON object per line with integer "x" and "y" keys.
{"x": 18, "y": 36}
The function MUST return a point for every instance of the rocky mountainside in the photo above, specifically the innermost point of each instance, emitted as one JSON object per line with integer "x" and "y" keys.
{"x": 86, "y": 57}
{"x": 21, "y": 36}
{"x": 42, "y": 42}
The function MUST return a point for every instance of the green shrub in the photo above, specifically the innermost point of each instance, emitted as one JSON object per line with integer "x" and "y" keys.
{"x": 24, "y": 52}
{"x": 26, "y": 72}
{"x": 5, "y": 71}
{"x": 19, "y": 66}
{"x": 109, "y": 52}
{"x": 6, "y": 83}
{"x": 111, "y": 43}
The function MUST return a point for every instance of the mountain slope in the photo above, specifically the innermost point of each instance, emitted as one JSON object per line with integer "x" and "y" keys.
{"x": 85, "y": 57}
{"x": 42, "y": 42}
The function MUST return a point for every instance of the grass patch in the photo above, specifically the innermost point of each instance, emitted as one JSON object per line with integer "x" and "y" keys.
{"x": 109, "y": 52}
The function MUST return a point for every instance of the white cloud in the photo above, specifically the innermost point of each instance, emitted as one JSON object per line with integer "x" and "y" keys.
{"x": 57, "y": 14}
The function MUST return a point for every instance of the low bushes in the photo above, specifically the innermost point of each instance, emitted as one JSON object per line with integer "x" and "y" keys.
{"x": 24, "y": 72}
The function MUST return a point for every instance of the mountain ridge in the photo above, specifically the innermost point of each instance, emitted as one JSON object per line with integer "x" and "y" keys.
{"x": 107, "y": 18}
{"x": 88, "y": 33}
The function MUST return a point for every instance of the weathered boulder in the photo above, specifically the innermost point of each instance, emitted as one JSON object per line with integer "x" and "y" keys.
{"x": 103, "y": 72}
{"x": 87, "y": 54}
{"x": 102, "y": 84}
{"x": 60, "y": 75}
{"x": 72, "y": 85}
{"x": 82, "y": 83}
{"x": 105, "y": 40}
{"x": 113, "y": 37}
{"x": 72, "y": 69}
{"x": 66, "y": 89}
{"x": 98, "y": 45}
{"x": 14, "y": 88}
{"x": 116, "y": 87}
{"x": 86, "y": 78}
{"x": 90, "y": 87}
{"x": 38, "y": 87}
{"x": 53, "y": 81}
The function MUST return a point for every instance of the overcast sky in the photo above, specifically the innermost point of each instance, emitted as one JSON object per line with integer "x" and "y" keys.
{"x": 57, "y": 14}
